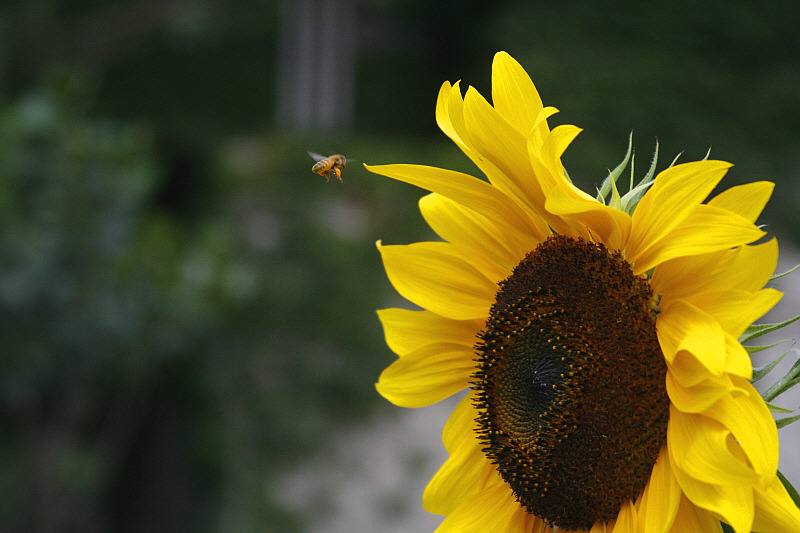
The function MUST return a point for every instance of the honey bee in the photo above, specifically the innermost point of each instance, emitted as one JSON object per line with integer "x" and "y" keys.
{"x": 328, "y": 166}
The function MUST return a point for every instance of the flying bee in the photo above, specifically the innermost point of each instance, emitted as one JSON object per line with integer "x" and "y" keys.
{"x": 328, "y": 166}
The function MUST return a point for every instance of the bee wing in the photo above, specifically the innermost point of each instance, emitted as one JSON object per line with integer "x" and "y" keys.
{"x": 316, "y": 157}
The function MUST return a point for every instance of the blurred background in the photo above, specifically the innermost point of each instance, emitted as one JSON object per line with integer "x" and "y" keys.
{"x": 188, "y": 335}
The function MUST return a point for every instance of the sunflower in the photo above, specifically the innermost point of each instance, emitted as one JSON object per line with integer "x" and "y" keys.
{"x": 607, "y": 387}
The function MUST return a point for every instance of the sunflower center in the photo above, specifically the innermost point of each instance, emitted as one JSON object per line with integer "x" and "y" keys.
{"x": 571, "y": 397}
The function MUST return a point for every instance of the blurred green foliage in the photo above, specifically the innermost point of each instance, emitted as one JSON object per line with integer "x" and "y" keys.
{"x": 171, "y": 357}
{"x": 187, "y": 311}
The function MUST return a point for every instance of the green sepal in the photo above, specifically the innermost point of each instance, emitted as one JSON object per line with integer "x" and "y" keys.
{"x": 788, "y": 381}
{"x": 632, "y": 197}
{"x": 614, "y": 175}
{"x": 755, "y": 349}
{"x": 790, "y": 489}
{"x": 566, "y": 174}
{"x": 754, "y": 331}
{"x": 675, "y": 160}
{"x": 761, "y": 371}
{"x": 615, "y": 199}
{"x": 778, "y": 409}
{"x": 650, "y": 175}
{"x": 783, "y": 422}
{"x": 608, "y": 192}
{"x": 776, "y": 276}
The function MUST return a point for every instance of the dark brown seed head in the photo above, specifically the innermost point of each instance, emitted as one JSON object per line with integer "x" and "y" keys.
{"x": 571, "y": 389}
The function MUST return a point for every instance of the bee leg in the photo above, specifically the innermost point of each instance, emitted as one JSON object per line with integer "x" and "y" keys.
{"x": 338, "y": 174}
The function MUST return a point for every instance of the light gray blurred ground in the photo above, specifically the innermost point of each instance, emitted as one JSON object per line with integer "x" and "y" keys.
{"x": 371, "y": 477}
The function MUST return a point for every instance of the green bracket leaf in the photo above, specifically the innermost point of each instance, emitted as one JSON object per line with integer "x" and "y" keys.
{"x": 614, "y": 175}
{"x": 778, "y": 409}
{"x": 755, "y": 349}
{"x": 776, "y": 276}
{"x": 761, "y": 371}
{"x": 788, "y": 381}
{"x": 782, "y": 422}
{"x": 756, "y": 330}
{"x": 790, "y": 489}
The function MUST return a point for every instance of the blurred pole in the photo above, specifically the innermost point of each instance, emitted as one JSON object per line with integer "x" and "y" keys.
{"x": 316, "y": 65}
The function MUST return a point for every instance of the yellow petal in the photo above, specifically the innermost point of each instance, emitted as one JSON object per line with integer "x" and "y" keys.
{"x": 749, "y": 421}
{"x": 554, "y": 147}
{"x": 461, "y": 423}
{"x": 540, "y": 128}
{"x": 427, "y": 375}
{"x": 675, "y": 194}
{"x": 492, "y": 509}
{"x": 700, "y": 448}
{"x": 464, "y": 474}
{"x": 737, "y": 360}
{"x": 682, "y": 326}
{"x": 471, "y": 192}
{"x": 692, "y": 519}
{"x": 706, "y": 229}
{"x": 746, "y": 200}
{"x": 598, "y": 222}
{"x": 626, "y": 519}
{"x": 602, "y": 527}
{"x": 432, "y": 276}
{"x": 496, "y": 140}
{"x": 749, "y": 267}
{"x": 407, "y": 330}
{"x": 524, "y": 522}
{"x": 746, "y": 268}
{"x": 460, "y": 225}
{"x": 450, "y": 115}
{"x": 732, "y": 504}
{"x": 687, "y": 370}
{"x": 736, "y": 309}
{"x": 514, "y": 96}
{"x": 451, "y": 119}
{"x": 467, "y": 460}
{"x": 698, "y": 397}
{"x": 658, "y": 504}
{"x": 775, "y": 510}
{"x": 544, "y": 158}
